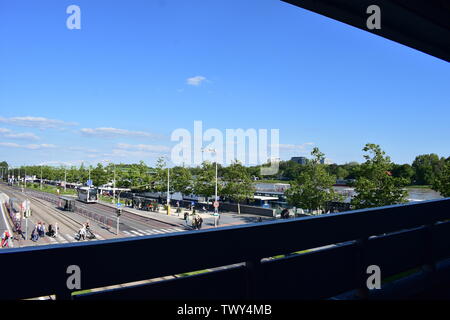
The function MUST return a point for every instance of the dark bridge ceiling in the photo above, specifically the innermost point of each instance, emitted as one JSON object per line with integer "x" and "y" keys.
{"x": 420, "y": 24}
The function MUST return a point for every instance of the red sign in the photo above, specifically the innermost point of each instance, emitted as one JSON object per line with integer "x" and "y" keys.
{"x": 216, "y": 204}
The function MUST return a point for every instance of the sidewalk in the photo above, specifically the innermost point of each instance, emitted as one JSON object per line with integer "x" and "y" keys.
{"x": 226, "y": 218}
{"x": 161, "y": 215}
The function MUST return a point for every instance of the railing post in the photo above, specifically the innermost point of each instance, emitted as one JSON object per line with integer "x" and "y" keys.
{"x": 362, "y": 292}
{"x": 254, "y": 278}
{"x": 429, "y": 263}
{"x": 62, "y": 292}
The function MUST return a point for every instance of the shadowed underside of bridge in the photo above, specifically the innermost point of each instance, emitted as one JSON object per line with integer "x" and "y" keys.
{"x": 410, "y": 242}
{"x": 420, "y": 24}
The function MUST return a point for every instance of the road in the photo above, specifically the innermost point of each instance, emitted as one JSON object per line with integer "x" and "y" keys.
{"x": 70, "y": 222}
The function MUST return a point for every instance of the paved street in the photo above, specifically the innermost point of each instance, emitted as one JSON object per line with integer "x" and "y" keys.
{"x": 132, "y": 223}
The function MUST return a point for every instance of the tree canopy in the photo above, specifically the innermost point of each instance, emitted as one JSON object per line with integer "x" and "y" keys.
{"x": 313, "y": 187}
{"x": 376, "y": 186}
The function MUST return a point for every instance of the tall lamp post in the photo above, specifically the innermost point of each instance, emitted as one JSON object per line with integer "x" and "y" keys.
{"x": 168, "y": 190}
{"x": 216, "y": 209}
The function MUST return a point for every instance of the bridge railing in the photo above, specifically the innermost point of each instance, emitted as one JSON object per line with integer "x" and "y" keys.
{"x": 394, "y": 238}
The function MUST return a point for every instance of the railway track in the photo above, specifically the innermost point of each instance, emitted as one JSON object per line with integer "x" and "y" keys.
{"x": 131, "y": 224}
{"x": 42, "y": 212}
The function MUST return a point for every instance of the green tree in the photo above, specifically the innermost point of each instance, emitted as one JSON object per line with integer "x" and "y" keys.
{"x": 160, "y": 176}
{"x": 427, "y": 167}
{"x": 238, "y": 184}
{"x": 313, "y": 188}
{"x": 99, "y": 175}
{"x": 181, "y": 180}
{"x": 442, "y": 181}
{"x": 376, "y": 186}
{"x": 291, "y": 169}
{"x": 405, "y": 171}
{"x": 4, "y": 167}
{"x": 205, "y": 180}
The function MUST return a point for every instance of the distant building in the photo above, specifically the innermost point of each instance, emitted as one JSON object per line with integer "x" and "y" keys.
{"x": 300, "y": 160}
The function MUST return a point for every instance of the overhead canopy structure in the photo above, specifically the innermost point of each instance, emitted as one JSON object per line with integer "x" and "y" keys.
{"x": 264, "y": 198}
{"x": 420, "y": 24}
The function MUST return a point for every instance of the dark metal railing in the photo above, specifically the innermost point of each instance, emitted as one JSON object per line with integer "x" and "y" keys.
{"x": 395, "y": 238}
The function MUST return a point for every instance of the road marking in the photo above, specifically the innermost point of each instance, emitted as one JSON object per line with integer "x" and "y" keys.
{"x": 150, "y": 231}
{"x": 144, "y": 232}
{"x": 129, "y": 234}
{"x": 157, "y": 231}
{"x": 61, "y": 239}
{"x": 137, "y": 233}
{"x": 52, "y": 239}
{"x": 71, "y": 238}
{"x": 178, "y": 229}
{"x": 99, "y": 237}
{"x": 167, "y": 230}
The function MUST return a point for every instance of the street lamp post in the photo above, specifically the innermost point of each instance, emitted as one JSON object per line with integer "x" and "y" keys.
{"x": 114, "y": 184}
{"x": 214, "y": 151}
{"x": 65, "y": 178}
{"x": 168, "y": 190}
{"x": 216, "y": 208}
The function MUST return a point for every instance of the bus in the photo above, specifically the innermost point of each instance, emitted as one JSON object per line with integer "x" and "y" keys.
{"x": 87, "y": 194}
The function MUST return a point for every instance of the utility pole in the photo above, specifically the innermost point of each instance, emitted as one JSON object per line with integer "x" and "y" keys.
{"x": 41, "y": 178}
{"x": 65, "y": 178}
{"x": 114, "y": 187}
{"x": 168, "y": 190}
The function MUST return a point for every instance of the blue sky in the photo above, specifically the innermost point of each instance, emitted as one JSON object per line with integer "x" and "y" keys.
{"x": 137, "y": 70}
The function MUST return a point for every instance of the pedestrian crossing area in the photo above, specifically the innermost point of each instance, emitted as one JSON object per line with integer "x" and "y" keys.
{"x": 66, "y": 238}
{"x": 148, "y": 232}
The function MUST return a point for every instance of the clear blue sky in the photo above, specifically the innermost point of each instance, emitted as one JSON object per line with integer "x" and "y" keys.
{"x": 260, "y": 64}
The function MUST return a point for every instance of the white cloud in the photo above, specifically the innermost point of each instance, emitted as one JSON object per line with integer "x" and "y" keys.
{"x": 114, "y": 132}
{"x": 6, "y": 133}
{"x": 139, "y": 151}
{"x": 294, "y": 147}
{"x": 28, "y": 146}
{"x": 60, "y": 163}
{"x": 82, "y": 149}
{"x": 143, "y": 147}
{"x": 36, "y": 122}
{"x": 195, "y": 81}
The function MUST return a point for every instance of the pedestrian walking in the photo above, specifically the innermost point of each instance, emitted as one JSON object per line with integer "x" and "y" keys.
{"x": 6, "y": 238}
{"x": 20, "y": 232}
{"x": 186, "y": 217}
{"x": 199, "y": 222}
{"x": 43, "y": 230}
{"x": 35, "y": 234}
{"x": 216, "y": 219}
{"x": 56, "y": 229}
{"x": 82, "y": 233}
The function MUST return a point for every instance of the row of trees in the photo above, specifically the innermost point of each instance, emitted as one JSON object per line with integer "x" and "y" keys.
{"x": 423, "y": 171}
{"x": 374, "y": 185}
{"x": 235, "y": 180}
{"x": 377, "y": 181}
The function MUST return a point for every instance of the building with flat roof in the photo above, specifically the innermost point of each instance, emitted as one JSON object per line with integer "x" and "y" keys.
{"x": 300, "y": 160}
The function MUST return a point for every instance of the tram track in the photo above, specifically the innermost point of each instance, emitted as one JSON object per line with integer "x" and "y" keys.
{"x": 42, "y": 212}
{"x": 110, "y": 212}
{"x": 129, "y": 221}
